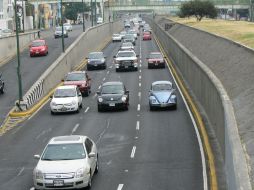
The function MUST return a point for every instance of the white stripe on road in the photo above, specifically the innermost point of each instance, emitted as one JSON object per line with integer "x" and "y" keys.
{"x": 75, "y": 128}
{"x": 94, "y": 96}
{"x": 104, "y": 79}
{"x": 110, "y": 67}
{"x": 139, "y": 94}
{"x": 133, "y": 152}
{"x": 87, "y": 109}
{"x": 107, "y": 72}
{"x": 138, "y": 108}
{"x": 32, "y": 188}
{"x": 120, "y": 186}
{"x": 139, "y": 84}
{"x": 99, "y": 87}
{"x": 137, "y": 126}
{"x": 140, "y": 71}
{"x": 139, "y": 76}
{"x": 20, "y": 172}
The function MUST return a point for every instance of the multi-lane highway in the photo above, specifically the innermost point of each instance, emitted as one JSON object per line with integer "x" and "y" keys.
{"x": 138, "y": 149}
{"x": 31, "y": 68}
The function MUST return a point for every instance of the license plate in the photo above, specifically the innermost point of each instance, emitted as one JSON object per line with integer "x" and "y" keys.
{"x": 95, "y": 65}
{"x": 156, "y": 64}
{"x": 58, "y": 183}
{"x": 112, "y": 104}
{"x": 63, "y": 108}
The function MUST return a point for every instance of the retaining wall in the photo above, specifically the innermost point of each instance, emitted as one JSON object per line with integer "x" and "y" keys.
{"x": 214, "y": 99}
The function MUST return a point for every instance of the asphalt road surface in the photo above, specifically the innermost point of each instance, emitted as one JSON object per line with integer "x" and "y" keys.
{"x": 31, "y": 68}
{"x": 138, "y": 149}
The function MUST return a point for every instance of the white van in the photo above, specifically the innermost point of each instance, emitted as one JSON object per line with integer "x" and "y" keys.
{"x": 99, "y": 20}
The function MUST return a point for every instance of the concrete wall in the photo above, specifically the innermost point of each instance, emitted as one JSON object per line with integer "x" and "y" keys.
{"x": 214, "y": 99}
{"x": 89, "y": 41}
{"x": 8, "y": 45}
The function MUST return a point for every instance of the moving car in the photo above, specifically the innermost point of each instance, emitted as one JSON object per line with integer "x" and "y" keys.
{"x": 155, "y": 60}
{"x": 133, "y": 32}
{"x": 99, "y": 20}
{"x": 58, "y": 32}
{"x": 96, "y": 60}
{"x": 67, "y": 26}
{"x": 66, "y": 99}
{"x": 123, "y": 33}
{"x": 162, "y": 95}
{"x": 116, "y": 38}
{"x": 126, "y": 46}
{"x": 67, "y": 162}
{"x": 1, "y": 84}
{"x": 130, "y": 38}
{"x": 81, "y": 80}
{"x": 38, "y": 47}
{"x": 126, "y": 60}
{"x": 113, "y": 95}
{"x": 147, "y": 36}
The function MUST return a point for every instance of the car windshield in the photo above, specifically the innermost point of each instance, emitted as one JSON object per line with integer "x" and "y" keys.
{"x": 75, "y": 77}
{"x": 112, "y": 89}
{"x": 160, "y": 87}
{"x": 155, "y": 56}
{"x": 64, "y": 93}
{"x": 98, "y": 55}
{"x": 64, "y": 152}
{"x": 38, "y": 43}
{"x": 128, "y": 44}
{"x": 126, "y": 54}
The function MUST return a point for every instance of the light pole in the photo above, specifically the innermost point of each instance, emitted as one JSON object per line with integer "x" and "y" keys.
{"x": 18, "y": 53}
{"x": 83, "y": 9}
{"x": 63, "y": 49}
{"x": 23, "y": 16}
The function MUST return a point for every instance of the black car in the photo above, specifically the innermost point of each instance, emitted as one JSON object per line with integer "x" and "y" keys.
{"x": 113, "y": 95}
{"x": 96, "y": 60}
{"x": 1, "y": 84}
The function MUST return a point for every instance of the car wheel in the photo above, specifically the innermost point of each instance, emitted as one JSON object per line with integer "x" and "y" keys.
{"x": 52, "y": 113}
{"x": 89, "y": 185}
{"x": 77, "y": 111}
{"x": 97, "y": 165}
{"x": 81, "y": 106}
{"x": 117, "y": 70}
{"x": 151, "y": 108}
{"x": 126, "y": 108}
{"x": 2, "y": 90}
{"x": 175, "y": 107}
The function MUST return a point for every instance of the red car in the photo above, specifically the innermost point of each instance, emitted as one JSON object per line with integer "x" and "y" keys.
{"x": 38, "y": 47}
{"x": 147, "y": 36}
{"x": 155, "y": 60}
{"x": 80, "y": 79}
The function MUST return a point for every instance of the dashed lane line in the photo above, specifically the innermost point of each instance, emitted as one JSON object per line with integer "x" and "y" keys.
{"x": 87, "y": 109}
{"x": 133, "y": 151}
{"x": 138, "y": 108}
{"x": 120, "y": 187}
{"x": 138, "y": 125}
{"x": 75, "y": 128}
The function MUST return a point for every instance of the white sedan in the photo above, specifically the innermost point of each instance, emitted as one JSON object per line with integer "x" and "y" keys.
{"x": 67, "y": 162}
{"x": 67, "y": 26}
{"x": 66, "y": 99}
{"x": 116, "y": 38}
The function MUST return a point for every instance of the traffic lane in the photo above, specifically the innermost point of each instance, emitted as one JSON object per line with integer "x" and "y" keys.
{"x": 31, "y": 70}
{"x": 33, "y": 135}
{"x": 167, "y": 150}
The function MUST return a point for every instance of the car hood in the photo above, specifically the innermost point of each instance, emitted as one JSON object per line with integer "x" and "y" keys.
{"x": 162, "y": 96}
{"x": 78, "y": 83}
{"x": 111, "y": 96}
{"x": 125, "y": 58}
{"x": 66, "y": 100}
{"x": 60, "y": 166}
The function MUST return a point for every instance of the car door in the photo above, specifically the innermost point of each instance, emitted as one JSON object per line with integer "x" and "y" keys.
{"x": 89, "y": 149}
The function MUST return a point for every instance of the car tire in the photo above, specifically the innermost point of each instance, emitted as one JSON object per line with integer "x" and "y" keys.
{"x": 126, "y": 108}
{"x": 2, "y": 90}
{"x": 89, "y": 185}
{"x": 175, "y": 107}
{"x": 151, "y": 108}
{"x": 117, "y": 70}
{"x": 81, "y": 106}
{"x": 77, "y": 111}
{"x": 52, "y": 113}
{"x": 97, "y": 165}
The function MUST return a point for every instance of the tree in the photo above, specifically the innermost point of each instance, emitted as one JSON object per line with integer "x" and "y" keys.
{"x": 71, "y": 10}
{"x": 199, "y": 9}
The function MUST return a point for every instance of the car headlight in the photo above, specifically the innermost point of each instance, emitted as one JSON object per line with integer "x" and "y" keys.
{"x": 173, "y": 97}
{"x": 38, "y": 174}
{"x": 124, "y": 98}
{"x": 100, "y": 99}
{"x": 80, "y": 173}
{"x": 154, "y": 100}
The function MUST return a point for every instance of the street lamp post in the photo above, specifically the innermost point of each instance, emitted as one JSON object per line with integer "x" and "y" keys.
{"x": 23, "y": 15}
{"x": 63, "y": 49}
{"x": 18, "y": 54}
{"x": 83, "y": 9}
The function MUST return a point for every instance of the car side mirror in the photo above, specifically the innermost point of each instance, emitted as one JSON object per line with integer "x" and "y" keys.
{"x": 37, "y": 156}
{"x": 98, "y": 92}
{"x": 114, "y": 56}
{"x": 91, "y": 155}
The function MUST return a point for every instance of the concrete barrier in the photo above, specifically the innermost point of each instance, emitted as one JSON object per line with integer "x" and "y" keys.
{"x": 8, "y": 45}
{"x": 88, "y": 41}
{"x": 210, "y": 93}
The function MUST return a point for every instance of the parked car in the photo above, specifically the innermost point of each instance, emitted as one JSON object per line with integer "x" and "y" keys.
{"x": 147, "y": 36}
{"x": 99, "y": 20}
{"x": 1, "y": 84}
{"x": 66, "y": 99}
{"x": 38, "y": 47}
{"x": 116, "y": 38}
{"x": 96, "y": 60}
{"x": 66, "y": 162}
{"x": 58, "y": 32}
{"x": 113, "y": 95}
{"x": 81, "y": 80}
{"x": 126, "y": 60}
{"x": 162, "y": 95}
{"x": 155, "y": 60}
{"x": 67, "y": 26}
{"x": 126, "y": 46}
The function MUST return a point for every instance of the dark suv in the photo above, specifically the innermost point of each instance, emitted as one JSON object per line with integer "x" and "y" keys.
{"x": 96, "y": 60}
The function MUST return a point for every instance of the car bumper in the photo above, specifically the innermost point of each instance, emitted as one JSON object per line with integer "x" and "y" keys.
{"x": 156, "y": 65}
{"x": 116, "y": 40}
{"x": 96, "y": 66}
{"x": 147, "y": 38}
{"x": 112, "y": 105}
{"x": 35, "y": 53}
{"x": 126, "y": 67}
{"x": 163, "y": 105}
{"x": 75, "y": 183}
{"x": 62, "y": 109}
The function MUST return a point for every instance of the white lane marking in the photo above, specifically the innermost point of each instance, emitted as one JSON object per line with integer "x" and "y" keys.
{"x": 43, "y": 133}
{"x": 137, "y": 125}
{"x": 99, "y": 87}
{"x": 140, "y": 65}
{"x": 20, "y": 172}
{"x": 75, "y": 128}
{"x": 87, "y": 109}
{"x": 139, "y": 94}
{"x": 126, "y": 171}
{"x": 197, "y": 133}
{"x": 139, "y": 84}
{"x": 140, "y": 71}
{"x": 104, "y": 79}
{"x": 140, "y": 61}
{"x": 136, "y": 137}
{"x": 140, "y": 77}
{"x": 110, "y": 67}
{"x": 138, "y": 108}
{"x": 94, "y": 96}
{"x": 133, "y": 151}
{"x": 107, "y": 72}
{"x": 120, "y": 186}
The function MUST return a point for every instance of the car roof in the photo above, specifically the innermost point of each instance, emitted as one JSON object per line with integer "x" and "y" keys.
{"x": 40, "y": 40}
{"x": 77, "y": 72}
{"x": 126, "y": 51}
{"x": 96, "y": 52}
{"x": 67, "y": 139}
{"x": 161, "y": 82}
{"x": 67, "y": 87}
{"x": 112, "y": 83}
